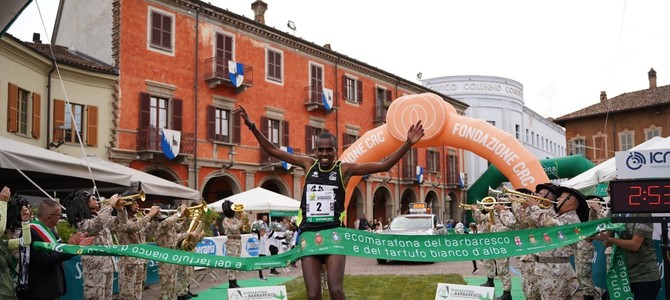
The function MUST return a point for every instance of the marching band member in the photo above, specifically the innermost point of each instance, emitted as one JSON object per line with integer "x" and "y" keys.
{"x": 232, "y": 225}
{"x": 504, "y": 220}
{"x": 584, "y": 255}
{"x": 553, "y": 267}
{"x": 164, "y": 230}
{"x": 483, "y": 218}
{"x": 131, "y": 230}
{"x": 526, "y": 262}
{"x": 184, "y": 272}
{"x": 85, "y": 214}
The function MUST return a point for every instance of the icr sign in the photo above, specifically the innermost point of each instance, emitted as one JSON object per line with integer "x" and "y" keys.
{"x": 643, "y": 164}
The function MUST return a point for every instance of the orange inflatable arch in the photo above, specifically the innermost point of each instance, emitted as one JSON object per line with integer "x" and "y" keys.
{"x": 443, "y": 126}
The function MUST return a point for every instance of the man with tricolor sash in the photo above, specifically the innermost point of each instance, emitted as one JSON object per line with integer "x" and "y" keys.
{"x": 46, "y": 278}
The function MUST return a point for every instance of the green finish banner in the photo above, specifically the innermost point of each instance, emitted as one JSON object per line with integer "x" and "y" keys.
{"x": 618, "y": 284}
{"x": 423, "y": 248}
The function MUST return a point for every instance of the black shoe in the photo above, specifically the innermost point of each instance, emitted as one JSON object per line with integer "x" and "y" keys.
{"x": 488, "y": 283}
{"x": 232, "y": 284}
{"x": 191, "y": 294}
{"x": 182, "y": 297}
{"x": 507, "y": 295}
{"x": 274, "y": 272}
{"x": 589, "y": 297}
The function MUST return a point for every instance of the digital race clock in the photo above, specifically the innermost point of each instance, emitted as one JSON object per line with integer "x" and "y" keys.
{"x": 640, "y": 196}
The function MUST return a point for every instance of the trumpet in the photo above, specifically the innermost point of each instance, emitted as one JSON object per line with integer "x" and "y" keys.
{"x": 521, "y": 197}
{"x": 469, "y": 206}
{"x": 598, "y": 202}
{"x": 128, "y": 200}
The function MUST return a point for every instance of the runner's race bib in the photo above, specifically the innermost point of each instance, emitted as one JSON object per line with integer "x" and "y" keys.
{"x": 320, "y": 203}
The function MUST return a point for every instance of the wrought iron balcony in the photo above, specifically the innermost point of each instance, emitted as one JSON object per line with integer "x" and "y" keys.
{"x": 149, "y": 140}
{"x": 314, "y": 98}
{"x": 217, "y": 73}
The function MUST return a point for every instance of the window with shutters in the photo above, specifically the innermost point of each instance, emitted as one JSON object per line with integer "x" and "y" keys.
{"x": 352, "y": 89}
{"x": 383, "y": 99}
{"x": 74, "y": 117}
{"x": 275, "y": 63}
{"x": 161, "y": 29}
{"x": 223, "y": 126}
{"x": 348, "y": 139}
{"x": 433, "y": 161}
{"x": 651, "y": 132}
{"x": 626, "y": 140}
{"x": 453, "y": 176}
{"x": 311, "y": 138}
{"x": 409, "y": 162}
{"x": 223, "y": 52}
{"x": 158, "y": 113}
{"x": 578, "y": 146}
{"x": 517, "y": 131}
{"x": 277, "y": 132}
{"x": 274, "y": 132}
{"x": 23, "y": 111}
{"x": 316, "y": 82}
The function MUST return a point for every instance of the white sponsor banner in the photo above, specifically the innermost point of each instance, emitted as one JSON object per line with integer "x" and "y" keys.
{"x": 258, "y": 293}
{"x": 643, "y": 164}
{"x": 463, "y": 292}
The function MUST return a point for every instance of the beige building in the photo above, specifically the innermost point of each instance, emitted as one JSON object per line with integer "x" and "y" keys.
{"x": 35, "y": 97}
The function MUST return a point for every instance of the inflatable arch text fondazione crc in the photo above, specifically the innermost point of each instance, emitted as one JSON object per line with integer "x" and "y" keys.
{"x": 443, "y": 126}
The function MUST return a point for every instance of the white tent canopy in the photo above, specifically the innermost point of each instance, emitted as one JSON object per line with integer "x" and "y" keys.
{"x": 151, "y": 185}
{"x": 606, "y": 170}
{"x": 260, "y": 199}
{"x": 51, "y": 170}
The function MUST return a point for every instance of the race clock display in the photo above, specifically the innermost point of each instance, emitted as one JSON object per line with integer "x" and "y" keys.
{"x": 640, "y": 196}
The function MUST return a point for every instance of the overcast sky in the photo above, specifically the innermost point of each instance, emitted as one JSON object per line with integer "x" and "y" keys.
{"x": 563, "y": 52}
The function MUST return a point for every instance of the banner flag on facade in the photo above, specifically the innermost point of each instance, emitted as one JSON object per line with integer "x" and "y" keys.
{"x": 170, "y": 142}
{"x": 285, "y": 165}
{"x": 236, "y": 73}
{"x": 419, "y": 174}
{"x": 327, "y": 98}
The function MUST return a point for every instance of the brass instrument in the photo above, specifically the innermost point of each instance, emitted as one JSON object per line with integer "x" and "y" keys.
{"x": 521, "y": 197}
{"x": 469, "y": 206}
{"x": 486, "y": 203}
{"x": 128, "y": 200}
{"x": 194, "y": 213}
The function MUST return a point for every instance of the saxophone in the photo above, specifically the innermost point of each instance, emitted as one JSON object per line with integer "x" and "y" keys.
{"x": 246, "y": 225}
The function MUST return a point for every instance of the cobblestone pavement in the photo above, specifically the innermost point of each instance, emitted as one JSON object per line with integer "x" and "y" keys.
{"x": 355, "y": 266}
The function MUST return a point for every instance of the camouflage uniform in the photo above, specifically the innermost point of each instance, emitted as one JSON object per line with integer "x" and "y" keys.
{"x": 483, "y": 226}
{"x": 233, "y": 241}
{"x": 166, "y": 236}
{"x": 132, "y": 270}
{"x": 583, "y": 265}
{"x": 184, "y": 273}
{"x": 503, "y": 221}
{"x": 553, "y": 267}
{"x": 527, "y": 262}
{"x": 98, "y": 273}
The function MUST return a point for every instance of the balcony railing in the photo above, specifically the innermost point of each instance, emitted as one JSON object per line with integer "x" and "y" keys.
{"x": 217, "y": 73}
{"x": 149, "y": 139}
{"x": 314, "y": 98}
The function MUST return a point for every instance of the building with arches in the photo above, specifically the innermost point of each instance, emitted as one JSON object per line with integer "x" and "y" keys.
{"x": 184, "y": 66}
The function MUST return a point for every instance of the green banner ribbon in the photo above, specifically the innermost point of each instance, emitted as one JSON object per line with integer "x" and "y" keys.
{"x": 618, "y": 284}
{"x": 424, "y": 248}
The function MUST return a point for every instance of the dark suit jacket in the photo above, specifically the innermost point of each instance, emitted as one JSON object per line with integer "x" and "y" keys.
{"x": 46, "y": 278}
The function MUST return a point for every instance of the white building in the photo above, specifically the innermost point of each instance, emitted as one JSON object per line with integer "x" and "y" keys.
{"x": 499, "y": 101}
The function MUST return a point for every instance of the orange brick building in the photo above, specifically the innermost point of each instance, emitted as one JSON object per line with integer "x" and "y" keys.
{"x": 619, "y": 123}
{"x": 174, "y": 58}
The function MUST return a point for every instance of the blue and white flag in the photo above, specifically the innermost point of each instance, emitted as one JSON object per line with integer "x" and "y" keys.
{"x": 236, "y": 73}
{"x": 327, "y": 98}
{"x": 419, "y": 174}
{"x": 285, "y": 165}
{"x": 170, "y": 142}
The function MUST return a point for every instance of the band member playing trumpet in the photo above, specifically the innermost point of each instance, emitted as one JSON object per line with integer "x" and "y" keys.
{"x": 526, "y": 262}
{"x": 164, "y": 229}
{"x": 231, "y": 225}
{"x": 131, "y": 230}
{"x": 85, "y": 214}
{"x": 483, "y": 217}
{"x": 504, "y": 220}
{"x": 553, "y": 267}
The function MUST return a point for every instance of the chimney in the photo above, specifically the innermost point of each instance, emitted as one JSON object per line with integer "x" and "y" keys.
{"x": 36, "y": 40}
{"x": 603, "y": 96}
{"x": 259, "y": 7}
{"x": 327, "y": 46}
{"x": 652, "y": 78}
